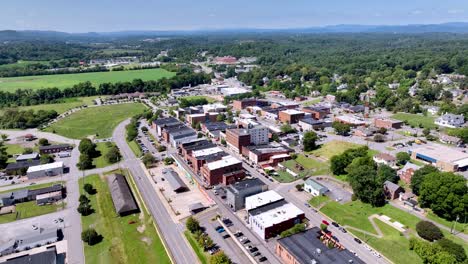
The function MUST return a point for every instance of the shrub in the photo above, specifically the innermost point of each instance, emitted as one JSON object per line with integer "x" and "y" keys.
{"x": 453, "y": 249}
{"x": 300, "y": 187}
{"x": 85, "y": 209}
{"x": 428, "y": 231}
{"x": 83, "y": 199}
{"x": 90, "y": 236}
{"x": 43, "y": 142}
{"x": 89, "y": 188}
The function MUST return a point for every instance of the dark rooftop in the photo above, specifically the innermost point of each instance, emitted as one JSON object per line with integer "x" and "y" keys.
{"x": 122, "y": 197}
{"x": 174, "y": 180}
{"x": 22, "y": 164}
{"x": 54, "y": 146}
{"x": 306, "y": 247}
{"x": 46, "y": 257}
{"x": 211, "y": 126}
{"x": 245, "y": 184}
{"x": 165, "y": 121}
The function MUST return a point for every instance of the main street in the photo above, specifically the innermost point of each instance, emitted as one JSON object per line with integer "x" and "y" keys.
{"x": 171, "y": 233}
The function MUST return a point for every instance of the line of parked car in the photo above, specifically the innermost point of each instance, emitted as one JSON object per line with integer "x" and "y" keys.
{"x": 243, "y": 239}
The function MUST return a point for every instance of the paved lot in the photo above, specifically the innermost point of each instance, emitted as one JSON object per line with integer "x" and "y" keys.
{"x": 228, "y": 245}
{"x": 336, "y": 192}
{"x": 180, "y": 202}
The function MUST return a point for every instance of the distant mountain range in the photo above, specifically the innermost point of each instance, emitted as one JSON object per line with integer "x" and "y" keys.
{"x": 455, "y": 27}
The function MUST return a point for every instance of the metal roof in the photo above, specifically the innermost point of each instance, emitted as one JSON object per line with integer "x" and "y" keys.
{"x": 122, "y": 197}
{"x": 174, "y": 180}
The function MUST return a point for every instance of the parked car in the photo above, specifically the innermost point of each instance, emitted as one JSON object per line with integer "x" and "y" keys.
{"x": 343, "y": 230}
{"x": 357, "y": 240}
{"x": 325, "y": 222}
{"x": 335, "y": 224}
{"x": 238, "y": 233}
{"x": 253, "y": 249}
{"x": 226, "y": 236}
{"x": 262, "y": 259}
{"x": 256, "y": 253}
{"x": 307, "y": 205}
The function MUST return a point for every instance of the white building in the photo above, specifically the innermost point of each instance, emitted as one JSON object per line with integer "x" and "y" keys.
{"x": 275, "y": 218}
{"x": 214, "y": 108}
{"x": 45, "y": 170}
{"x": 450, "y": 120}
{"x": 258, "y": 135}
{"x": 313, "y": 187}
{"x": 262, "y": 199}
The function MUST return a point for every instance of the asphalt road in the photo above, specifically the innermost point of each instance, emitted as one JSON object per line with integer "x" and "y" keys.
{"x": 171, "y": 232}
{"x": 314, "y": 218}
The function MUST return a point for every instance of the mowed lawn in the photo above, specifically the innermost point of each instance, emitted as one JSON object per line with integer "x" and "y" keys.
{"x": 129, "y": 239}
{"x": 13, "y": 149}
{"x": 103, "y": 148}
{"x": 312, "y": 167}
{"x": 355, "y": 214}
{"x": 416, "y": 120}
{"x": 99, "y": 121}
{"x": 62, "y": 81}
{"x": 68, "y": 104}
{"x": 336, "y": 147}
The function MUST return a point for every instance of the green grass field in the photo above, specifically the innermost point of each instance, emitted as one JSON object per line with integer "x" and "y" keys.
{"x": 333, "y": 148}
{"x": 356, "y": 214}
{"x": 135, "y": 148}
{"x": 101, "y": 161}
{"x": 68, "y": 104}
{"x": 311, "y": 167}
{"x": 30, "y": 209}
{"x": 318, "y": 201}
{"x": 62, "y": 81}
{"x": 100, "y": 121}
{"x": 13, "y": 149}
{"x": 123, "y": 242}
{"x": 195, "y": 97}
{"x": 415, "y": 120}
{"x": 393, "y": 245}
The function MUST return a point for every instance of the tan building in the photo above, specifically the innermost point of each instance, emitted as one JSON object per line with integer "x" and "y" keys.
{"x": 442, "y": 157}
{"x": 387, "y": 123}
{"x": 290, "y": 116}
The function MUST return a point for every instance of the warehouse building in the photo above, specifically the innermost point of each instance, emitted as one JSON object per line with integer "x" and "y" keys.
{"x": 226, "y": 171}
{"x": 444, "y": 158}
{"x": 51, "y": 149}
{"x": 315, "y": 188}
{"x": 290, "y": 116}
{"x": 174, "y": 180}
{"x": 122, "y": 196}
{"x": 45, "y": 170}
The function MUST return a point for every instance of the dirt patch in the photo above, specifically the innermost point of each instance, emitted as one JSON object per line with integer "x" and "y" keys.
{"x": 147, "y": 240}
{"x": 141, "y": 228}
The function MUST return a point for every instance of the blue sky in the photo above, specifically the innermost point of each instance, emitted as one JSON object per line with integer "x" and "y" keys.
{"x": 117, "y": 15}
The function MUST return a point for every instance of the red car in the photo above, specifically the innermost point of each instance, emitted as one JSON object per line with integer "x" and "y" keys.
{"x": 325, "y": 222}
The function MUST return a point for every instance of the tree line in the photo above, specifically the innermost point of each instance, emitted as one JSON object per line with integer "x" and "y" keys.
{"x": 26, "y": 97}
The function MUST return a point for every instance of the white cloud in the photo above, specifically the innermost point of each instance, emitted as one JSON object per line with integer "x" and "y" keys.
{"x": 416, "y": 12}
{"x": 456, "y": 11}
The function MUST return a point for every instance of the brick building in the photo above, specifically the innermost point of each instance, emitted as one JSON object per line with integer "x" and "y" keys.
{"x": 237, "y": 138}
{"x": 224, "y": 171}
{"x": 317, "y": 112}
{"x": 290, "y": 116}
{"x": 387, "y": 123}
{"x": 407, "y": 172}
{"x": 201, "y": 118}
{"x": 242, "y": 104}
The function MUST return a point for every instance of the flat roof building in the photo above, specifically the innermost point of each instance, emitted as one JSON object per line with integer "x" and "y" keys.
{"x": 442, "y": 157}
{"x": 227, "y": 170}
{"x": 237, "y": 192}
{"x": 290, "y": 116}
{"x": 315, "y": 188}
{"x": 307, "y": 247}
{"x": 24, "y": 157}
{"x": 272, "y": 219}
{"x": 45, "y": 170}
{"x": 388, "y": 123}
{"x": 262, "y": 199}
{"x": 55, "y": 148}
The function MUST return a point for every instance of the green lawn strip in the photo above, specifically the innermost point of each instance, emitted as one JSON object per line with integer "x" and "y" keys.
{"x": 30, "y": 209}
{"x": 392, "y": 245}
{"x": 34, "y": 186}
{"x": 415, "y": 119}
{"x": 101, "y": 161}
{"x": 417, "y": 162}
{"x": 62, "y": 81}
{"x": 202, "y": 256}
{"x": 449, "y": 224}
{"x": 312, "y": 102}
{"x": 135, "y": 148}
{"x": 195, "y": 97}
{"x": 122, "y": 241}
{"x": 283, "y": 176}
{"x": 332, "y": 148}
{"x": 13, "y": 149}
{"x": 318, "y": 201}
{"x": 100, "y": 120}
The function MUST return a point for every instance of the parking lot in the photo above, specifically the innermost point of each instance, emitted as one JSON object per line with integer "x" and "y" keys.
{"x": 226, "y": 242}
{"x": 336, "y": 192}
